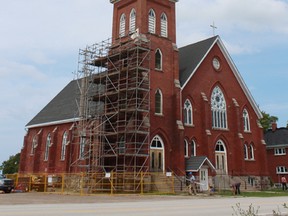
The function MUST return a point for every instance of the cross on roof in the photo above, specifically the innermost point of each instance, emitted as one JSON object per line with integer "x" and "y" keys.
{"x": 214, "y": 27}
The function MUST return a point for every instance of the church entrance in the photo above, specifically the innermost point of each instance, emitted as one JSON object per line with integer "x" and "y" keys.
{"x": 203, "y": 179}
{"x": 157, "y": 155}
{"x": 220, "y": 158}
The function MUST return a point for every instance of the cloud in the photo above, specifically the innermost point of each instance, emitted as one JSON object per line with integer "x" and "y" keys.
{"x": 248, "y": 22}
{"x": 10, "y": 70}
{"x": 53, "y": 24}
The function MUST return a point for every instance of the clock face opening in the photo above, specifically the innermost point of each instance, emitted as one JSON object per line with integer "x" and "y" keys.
{"x": 216, "y": 63}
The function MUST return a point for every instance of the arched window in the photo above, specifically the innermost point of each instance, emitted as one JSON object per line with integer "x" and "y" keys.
{"x": 157, "y": 143}
{"x": 158, "y": 102}
{"x": 188, "y": 117}
{"x": 193, "y": 148}
{"x": 220, "y": 146}
{"x": 218, "y": 109}
{"x": 48, "y": 144}
{"x": 82, "y": 146}
{"x": 63, "y": 147}
{"x": 122, "y": 27}
{"x": 251, "y": 152}
{"x": 132, "y": 21}
{"x": 151, "y": 21}
{"x": 34, "y": 144}
{"x": 158, "y": 59}
{"x": 186, "y": 148}
{"x": 245, "y": 152}
{"x": 246, "y": 121}
{"x": 121, "y": 145}
{"x": 164, "y": 25}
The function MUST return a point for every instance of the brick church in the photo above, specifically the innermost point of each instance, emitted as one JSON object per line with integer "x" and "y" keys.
{"x": 142, "y": 104}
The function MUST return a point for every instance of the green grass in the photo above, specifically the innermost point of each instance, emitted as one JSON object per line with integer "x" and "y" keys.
{"x": 268, "y": 193}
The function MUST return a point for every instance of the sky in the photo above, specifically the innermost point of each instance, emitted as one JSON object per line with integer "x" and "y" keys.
{"x": 40, "y": 41}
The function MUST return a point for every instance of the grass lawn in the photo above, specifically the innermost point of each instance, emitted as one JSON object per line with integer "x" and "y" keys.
{"x": 268, "y": 193}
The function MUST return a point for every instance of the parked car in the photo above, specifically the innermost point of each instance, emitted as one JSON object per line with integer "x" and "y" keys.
{"x": 6, "y": 185}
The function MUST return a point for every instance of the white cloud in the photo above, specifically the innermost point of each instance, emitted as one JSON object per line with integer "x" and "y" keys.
{"x": 15, "y": 70}
{"x": 248, "y": 23}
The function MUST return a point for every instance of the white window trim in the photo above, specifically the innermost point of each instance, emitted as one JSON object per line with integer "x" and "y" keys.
{"x": 186, "y": 149}
{"x": 246, "y": 121}
{"x": 251, "y": 152}
{"x": 281, "y": 170}
{"x": 193, "y": 147}
{"x": 188, "y": 121}
{"x": 278, "y": 153}
{"x": 64, "y": 144}
{"x": 164, "y": 25}
{"x": 122, "y": 26}
{"x": 82, "y": 147}
{"x": 161, "y": 59}
{"x": 246, "y": 157}
{"x": 47, "y": 147}
{"x": 33, "y": 145}
{"x": 218, "y": 109}
{"x": 132, "y": 21}
{"x": 151, "y": 21}
{"x": 161, "y": 102}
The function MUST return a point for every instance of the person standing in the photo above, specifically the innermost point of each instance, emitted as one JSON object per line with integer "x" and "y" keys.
{"x": 192, "y": 184}
{"x": 284, "y": 183}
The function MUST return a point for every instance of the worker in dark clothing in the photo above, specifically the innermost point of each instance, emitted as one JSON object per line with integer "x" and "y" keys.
{"x": 236, "y": 188}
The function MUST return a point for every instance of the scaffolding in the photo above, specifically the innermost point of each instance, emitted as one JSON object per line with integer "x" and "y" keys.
{"x": 113, "y": 127}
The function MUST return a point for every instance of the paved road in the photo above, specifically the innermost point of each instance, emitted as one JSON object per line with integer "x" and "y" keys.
{"x": 204, "y": 206}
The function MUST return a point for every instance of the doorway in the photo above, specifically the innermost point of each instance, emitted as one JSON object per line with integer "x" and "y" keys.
{"x": 220, "y": 158}
{"x": 204, "y": 179}
{"x": 157, "y": 155}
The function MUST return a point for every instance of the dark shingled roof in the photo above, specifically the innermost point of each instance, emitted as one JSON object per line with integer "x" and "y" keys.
{"x": 194, "y": 163}
{"x": 190, "y": 56}
{"x": 276, "y": 138}
{"x": 62, "y": 107}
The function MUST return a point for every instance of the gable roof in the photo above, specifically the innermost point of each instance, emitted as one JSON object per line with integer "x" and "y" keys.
{"x": 191, "y": 57}
{"x": 61, "y": 108}
{"x": 194, "y": 163}
{"x": 277, "y": 138}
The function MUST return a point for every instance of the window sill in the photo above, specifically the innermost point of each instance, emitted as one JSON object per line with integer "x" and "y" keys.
{"x": 189, "y": 125}
{"x": 250, "y": 160}
{"x": 221, "y": 129}
{"x": 159, "y": 114}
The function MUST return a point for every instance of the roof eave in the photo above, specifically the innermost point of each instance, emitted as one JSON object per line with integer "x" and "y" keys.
{"x": 52, "y": 123}
{"x": 239, "y": 79}
{"x": 198, "y": 65}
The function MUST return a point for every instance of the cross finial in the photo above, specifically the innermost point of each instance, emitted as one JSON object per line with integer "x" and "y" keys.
{"x": 214, "y": 27}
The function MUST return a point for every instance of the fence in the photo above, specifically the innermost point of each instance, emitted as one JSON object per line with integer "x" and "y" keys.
{"x": 96, "y": 183}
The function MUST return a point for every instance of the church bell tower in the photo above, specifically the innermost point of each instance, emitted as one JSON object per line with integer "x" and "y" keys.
{"x": 155, "y": 21}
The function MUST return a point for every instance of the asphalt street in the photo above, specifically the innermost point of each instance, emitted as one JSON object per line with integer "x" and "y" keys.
{"x": 216, "y": 206}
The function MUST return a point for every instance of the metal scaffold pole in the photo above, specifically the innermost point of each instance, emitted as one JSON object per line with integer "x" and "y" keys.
{"x": 112, "y": 130}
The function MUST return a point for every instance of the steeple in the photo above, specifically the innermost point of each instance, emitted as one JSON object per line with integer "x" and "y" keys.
{"x": 148, "y": 16}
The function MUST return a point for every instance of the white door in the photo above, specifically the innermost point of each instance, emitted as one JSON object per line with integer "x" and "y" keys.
{"x": 157, "y": 155}
{"x": 204, "y": 179}
{"x": 220, "y": 158}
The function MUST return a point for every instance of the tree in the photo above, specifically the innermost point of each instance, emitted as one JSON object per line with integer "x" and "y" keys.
{"x": 267, "y": 120}
{"x": 10, "y": 166}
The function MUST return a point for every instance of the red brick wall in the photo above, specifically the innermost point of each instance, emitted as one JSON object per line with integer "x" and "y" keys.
{"x": 35, "y": 163}
{"x": 162, "y": 125}
{"x": 204, "y": 80}
{"x": 275, "y": 161}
